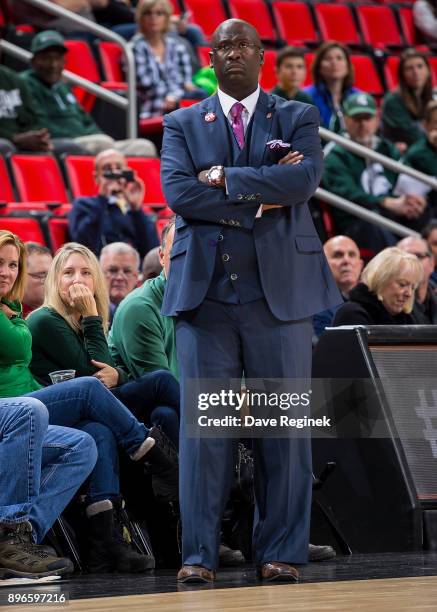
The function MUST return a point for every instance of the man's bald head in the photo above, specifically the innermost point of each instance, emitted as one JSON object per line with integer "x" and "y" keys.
{"x": 419, "y": 247}
{"x": 229, "y": 26}
{"x": 236, "y": 57}
{"x": 344, "y": 259}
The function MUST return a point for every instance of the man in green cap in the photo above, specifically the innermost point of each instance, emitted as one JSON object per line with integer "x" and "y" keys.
{"x": 58, "y": 108}
{"x": 366, "y": 182}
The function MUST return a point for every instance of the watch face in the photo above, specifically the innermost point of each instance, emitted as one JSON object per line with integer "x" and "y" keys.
{"x": 214, "y": 175}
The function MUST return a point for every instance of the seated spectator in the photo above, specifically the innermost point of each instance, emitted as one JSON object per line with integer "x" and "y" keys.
{"x": 163, "y": 64}
{"x": 151, "y": 264}
{"x": 404, "y": 108}
{"x": 344, "y": 259}
{"x": 38, "y": 261}
{"x": 333, "y": 78}
{"x": 386, "y": 294}
{"x": 36, "y": 485}
{"x": 142, "y": 339}
{"x": 115, "y": 214}
{"x": 291, "y": 73}
{"x": 69, "y": 332}
{"x": 425, "y": 18}
{"x": 367, "y": 183}
{"x": 120, "y": 265}
{"x": 87, "y": 405}
{"x": 425, "y": 303}
{"x": 57, "y": 107}
{"x": 430, "y": 234}
{"x": 422, "y": 155}
{"x": 19, "y": 129}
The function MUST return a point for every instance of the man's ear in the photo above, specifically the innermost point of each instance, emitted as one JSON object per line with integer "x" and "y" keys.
{"x": 261, "y": 56}
{"x": 211, "y": 62}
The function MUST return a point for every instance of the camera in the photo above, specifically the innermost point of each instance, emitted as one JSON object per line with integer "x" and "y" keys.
{"x": 127, "y": 175}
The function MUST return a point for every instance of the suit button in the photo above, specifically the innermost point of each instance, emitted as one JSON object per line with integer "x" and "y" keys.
{"x": 234, "y": 277}
{"x": 240, "y": 196}
{"x": 220, "y": 237}
{"x": 226, "y": 257}
{"x": 231, "y": 222}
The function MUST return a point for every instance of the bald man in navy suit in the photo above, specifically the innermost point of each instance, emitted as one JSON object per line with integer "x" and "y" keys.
{"x": 247, "y": 273}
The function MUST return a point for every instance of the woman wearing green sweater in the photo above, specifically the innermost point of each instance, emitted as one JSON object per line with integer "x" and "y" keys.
{"x": 84, "y": 404}
{"x": 403, "y": 109}
{"x": 69, "y": 332}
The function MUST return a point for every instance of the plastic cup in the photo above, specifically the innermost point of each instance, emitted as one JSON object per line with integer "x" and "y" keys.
{"x": 61, "y": 375}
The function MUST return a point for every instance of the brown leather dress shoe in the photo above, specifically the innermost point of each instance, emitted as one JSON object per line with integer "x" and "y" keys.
{"x": 279, "y": 572}
{"x": 195, "y": 573}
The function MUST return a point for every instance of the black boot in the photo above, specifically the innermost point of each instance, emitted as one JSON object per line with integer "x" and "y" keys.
{"x": 109, "y": 541}
{"x": 21, "y": 557}
{"x": 161, "y": 462}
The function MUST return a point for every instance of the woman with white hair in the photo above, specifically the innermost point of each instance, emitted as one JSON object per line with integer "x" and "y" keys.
{"x": 385, "y": 295}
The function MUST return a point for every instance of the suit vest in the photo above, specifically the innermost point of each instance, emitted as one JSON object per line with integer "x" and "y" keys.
{"x": 236, "y": 279}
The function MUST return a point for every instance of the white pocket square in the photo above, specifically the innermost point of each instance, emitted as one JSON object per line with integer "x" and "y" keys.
{"x": 278, "y": 144}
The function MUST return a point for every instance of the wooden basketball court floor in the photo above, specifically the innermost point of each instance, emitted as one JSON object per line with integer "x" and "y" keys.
{"x": 395, "y": 582}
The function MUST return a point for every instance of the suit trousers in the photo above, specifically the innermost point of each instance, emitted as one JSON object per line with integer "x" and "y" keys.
{"x": 221, "y": 341}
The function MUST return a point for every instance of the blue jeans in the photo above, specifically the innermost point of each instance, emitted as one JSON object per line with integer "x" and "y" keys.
{"x": 154, "y": 399}
{"x": 86, "y": 404}
{"x": 41, "y": 466}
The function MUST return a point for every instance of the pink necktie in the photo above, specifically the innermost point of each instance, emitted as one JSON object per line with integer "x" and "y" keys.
{"x": 237, "y": 123}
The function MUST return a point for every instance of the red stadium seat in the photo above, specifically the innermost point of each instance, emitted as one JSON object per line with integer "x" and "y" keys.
{"x": 378, "y": 26}
{"x": 409, "y": 31}
{"x": 268, "y": 76}
{"x": 58, "y": 232}
{"x": 257, "y": 13}
{"x": 366, "y": 75}
{"x": 26, "y": 228}
{"x": 111, "y": 59}
{"x": 6, "y": 190}
{"x": 80, "y": 60}
{"x": 148, "y": 127}
{"x": 208, "y": 15}
{"x": 148, "y": 169}
{"x": 203, "y": 53}
{"x": 38, "y": 178}
{"x": 295, "y": 23}
{"x": 79, "y": 170}
{"x": 336, "y": 22}
{"x": 391, "y": 71}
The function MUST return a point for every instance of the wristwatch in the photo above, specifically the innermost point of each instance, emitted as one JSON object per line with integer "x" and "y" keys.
{"x": 214, "y": 176}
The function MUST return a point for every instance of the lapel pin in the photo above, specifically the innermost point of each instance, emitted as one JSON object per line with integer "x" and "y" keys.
{"x": 210, "y": 117}
{"x": 269, "y": 115}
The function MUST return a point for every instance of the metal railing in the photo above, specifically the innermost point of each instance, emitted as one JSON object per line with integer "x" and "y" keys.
{"x": 129, "y": 104}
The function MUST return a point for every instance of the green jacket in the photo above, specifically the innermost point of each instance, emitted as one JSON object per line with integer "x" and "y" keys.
{"x": 343, "y": 175}
{"x": 18, "y": 111}
{"x": 56, "y": 346}
{"x": 301, "y": 96}
{"x": 58, "y": 109}
{"x": 15, "y": 355}
{"x": 398, "y": 123}
{"x": 141, "y": 339}
{"x": 423, "y": 156}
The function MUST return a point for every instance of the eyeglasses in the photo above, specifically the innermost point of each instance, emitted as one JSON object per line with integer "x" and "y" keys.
{"x": 156, "y": 13}
{"x": 243, "y": 47}
{"x": 113, "y": 271}
{"x": 41, "y": 276}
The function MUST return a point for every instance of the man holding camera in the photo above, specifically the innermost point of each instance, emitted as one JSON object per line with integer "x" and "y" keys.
{"x": 115, "y": 214}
